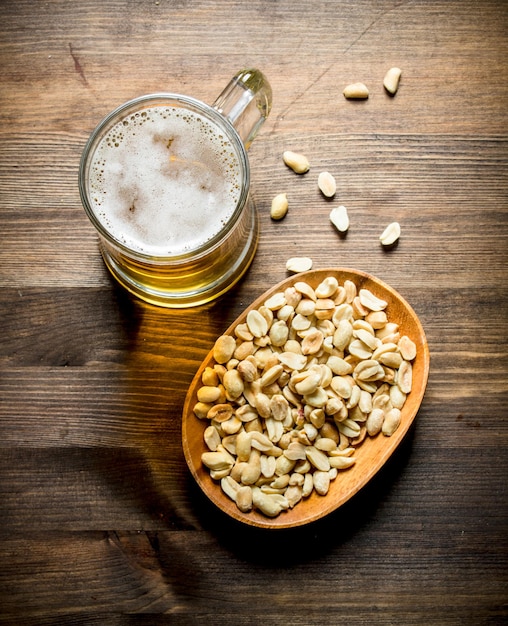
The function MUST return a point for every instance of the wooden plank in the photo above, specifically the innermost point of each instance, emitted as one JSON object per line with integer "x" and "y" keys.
{"x": 390, "y": 178}
{"x": 144, "y": 572}
{"x": 101, "y": 520}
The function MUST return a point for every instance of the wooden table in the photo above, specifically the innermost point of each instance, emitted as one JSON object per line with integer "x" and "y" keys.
{"x": 99, "y": 515}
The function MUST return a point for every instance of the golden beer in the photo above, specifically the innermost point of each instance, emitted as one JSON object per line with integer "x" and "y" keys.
{"x": 165, "y": 181}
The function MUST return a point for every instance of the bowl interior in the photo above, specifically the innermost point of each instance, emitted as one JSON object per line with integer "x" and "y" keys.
{"x": 370, "y": 456}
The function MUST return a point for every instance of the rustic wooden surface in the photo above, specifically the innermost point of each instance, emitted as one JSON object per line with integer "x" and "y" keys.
{"x": 100, "y": 519}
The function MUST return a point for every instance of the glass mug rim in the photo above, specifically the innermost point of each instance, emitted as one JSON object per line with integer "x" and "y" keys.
{"x": 185, "y": 102}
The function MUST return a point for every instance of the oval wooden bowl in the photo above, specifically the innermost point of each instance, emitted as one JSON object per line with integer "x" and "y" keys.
{"x": 371, "y": 455}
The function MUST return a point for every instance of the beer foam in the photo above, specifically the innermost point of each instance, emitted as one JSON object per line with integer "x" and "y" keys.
{"x": 164, "y": 180}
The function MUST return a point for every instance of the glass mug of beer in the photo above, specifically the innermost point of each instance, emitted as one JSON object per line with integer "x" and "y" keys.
{"x": 165, "y": 180}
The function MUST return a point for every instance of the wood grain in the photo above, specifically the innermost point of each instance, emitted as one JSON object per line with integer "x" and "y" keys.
{"x": 102, "y": 522}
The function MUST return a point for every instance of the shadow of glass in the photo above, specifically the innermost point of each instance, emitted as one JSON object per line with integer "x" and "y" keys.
{"x": 154, "y": 353}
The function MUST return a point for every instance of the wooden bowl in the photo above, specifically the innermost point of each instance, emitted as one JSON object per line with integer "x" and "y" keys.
{"x": 370, "y": 456}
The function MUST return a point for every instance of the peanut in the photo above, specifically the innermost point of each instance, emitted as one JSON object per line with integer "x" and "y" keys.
{"x": 327, "y": 185}
{"x": 321, "y": 482}
{"x": 243, "y": 498}
{"x": 298, "y": 264}
{"x": 327, "y": 287}
{"x": 224, "y": 348}
{"x": 294, "y": 494}
{"x": 268, "y": 504}
{"x": 212, "y": 438}
{"x": 233, "y": 384}
{"x": 339, "y": 218}
{"x": 391, "y": 422}
{"x": 356, "y": 91}
{"x": 375, "y": 421}
{"x": 405, "y": 377}
{"x": 279, "y": 206}
{"x": 297, "y": 162}
{"x": 217, "y": 460}
{"x": 207, "y": 394}
{"x": 321, "y": 370}
{"x": 390, "y": 234}
{"x": 342, "y": 462}
{"x": 391, "y": 80}
{"x": 407, "y": 348}
{"x": 369, "y": 300}
{"x": 229, "y": 487}
{"x": 220, "y": 412}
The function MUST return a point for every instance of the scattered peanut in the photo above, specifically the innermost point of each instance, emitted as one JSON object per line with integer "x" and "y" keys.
{"x": 290, "y": 415}
{"x": 298, "y": 264}
{"x": 391, "y": 80}
{"x": 339, "y": 218}
{"x": 390, "y": 234}
{"x": 279, "y": 206}
{"x": 297, "y": 162}
{"x": 356, "y": 91}
{"x": 327, "y": 184}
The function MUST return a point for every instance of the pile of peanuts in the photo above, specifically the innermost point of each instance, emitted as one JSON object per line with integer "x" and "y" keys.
{"x": 299, "y": 386}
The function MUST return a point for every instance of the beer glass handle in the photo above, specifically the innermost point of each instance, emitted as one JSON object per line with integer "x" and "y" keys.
{"x": 246, "y": 102}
